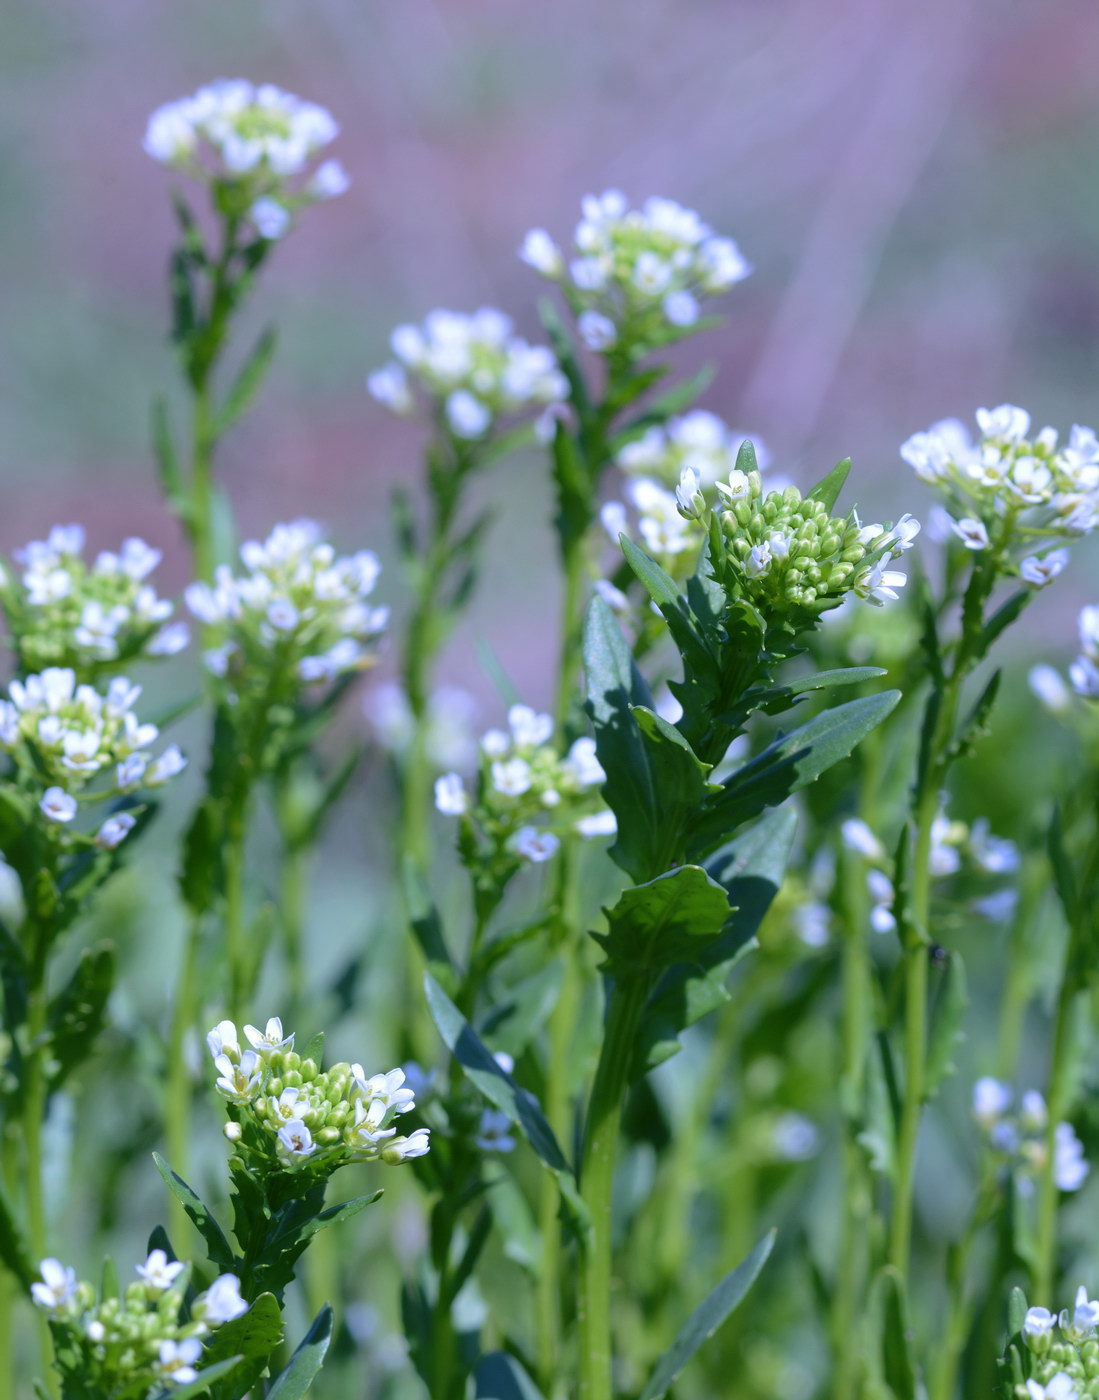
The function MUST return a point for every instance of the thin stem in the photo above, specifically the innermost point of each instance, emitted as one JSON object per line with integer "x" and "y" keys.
{"x": 200, "y": 524}
{"x": 597, "y": 1187}
{"x": 294, "y": 881}
{"x": 236, "y": 949}
{"x": 179, "y": 1091}
{"x": 35, "y": 1094}
{"x": 572, "y": 622}
{"x": 1058, "y": 1099}
{"x": 9, "y": 1285}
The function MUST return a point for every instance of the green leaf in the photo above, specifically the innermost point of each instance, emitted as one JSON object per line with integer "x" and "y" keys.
{"x": 314, "y": 1049}
{"x": 301, "y": 1370}
{"x": 218, "y": 1250}
{"x": 521, "y": 1013}
{"x": 788, "y": 764}
{"x": 424, "y": 918}
{"x": 878, "y": 1137}
{"x": 946, "y": 1024}
{"x": 679, "y": 782}
{"x": 167, "y": 460}
{"x": 78, "y": 1014}
{"x": 828, "y": 490}
{"x": 976, "y": 724}
{"x": 252, "y": 1338}
{"x": 566, "y": 356}
{"x": 499, "y": 1376}
{"x": 674, "y": 918}
{"x": 14, "y": 1247}
{"x": 707, "y": 1318}
{"x": 897, "y": 1364}
{"x": 498, "y": 1087}
{"x": 702, "y": 679}
{"x": 614, "y": 686}
{"x": 750, "y": 869}
{"x": 775, "y": 698}
{"x": 201, "y": 1383}
{"x": 1016, "y": 1311}
{"x": 202, "y": 864}
{"x": 665, "y": 406}
{"x": 295, "y": 1232}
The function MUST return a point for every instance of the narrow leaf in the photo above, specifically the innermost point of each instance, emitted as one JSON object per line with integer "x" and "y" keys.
{"x": 897, "y": 1363}
{"x": 499, "y": 1376}
{"x": 946, "y": 1024}
{"x": 201, "y": 1383}
{"x": 218, "y": 1250}
{"x": 292, "y": 1382}
{"x": 828, "y": 490}
{"x": 707, "y": 1318}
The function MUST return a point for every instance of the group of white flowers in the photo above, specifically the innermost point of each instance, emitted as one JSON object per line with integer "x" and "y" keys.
{"x": 139, "y": 1337}
{"x": 1020, "y": 1137}
{"x": 71, "y": 734}
{"x": 64, "y": 611}
{"x": 528, "y": 795}
{"x": 634, "y": 273}
{"x": 320, "y": 1119}
{"x": 254, "y": 138}
{"x": 473, "y": 370}
{"x": 1063, "y": 1346}
{"x": 300, "y": 606}
{"x": 1011, "y": 493}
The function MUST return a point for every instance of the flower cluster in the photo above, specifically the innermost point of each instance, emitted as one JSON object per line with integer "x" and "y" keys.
{"x": 450, "y": 735}
{"x": 699, "y": 440}
{"x": 636, "y": 276}
{"x": 1084, "y": 671}
{"x": 68, "y": 735}
{"x": 1010, "y": 493}
{"x": 65, "y": 612}
{"x": 300, "y": 610}
{"x": 1064, "y": 1351}
{"x": 287, "y": 1114}
{"x": 528, "y": 795}
{"x": 473, "y": 370}
{"x": 786, "y": 556}
{"x": 1019, "y": 1138}
{"x": 250, "y": 140}
{"x": 145, "y": 1338}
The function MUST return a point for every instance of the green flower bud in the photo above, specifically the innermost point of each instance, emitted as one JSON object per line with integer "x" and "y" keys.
{"x": 309, "y": 1070}
{"x": 327, "y": 1137}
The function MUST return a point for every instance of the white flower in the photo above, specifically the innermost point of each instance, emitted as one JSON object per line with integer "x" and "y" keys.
{"x": 401, "y": 1149}
{"x": 991, "y": 1100}
{"x": 534, "y": 845}
{"x": 451, "y": 797}
{"x": 688, "y": 494}
{"x": 1050, "y": 688}
{"x": 612, "y": 596}
{"x": 597, "y": 331}
{"x": 57, "y": 1286}
{"x": 468, "y": 417}
{"x": 1039, "y": 1322}
{"x": 539, "y": 251}
{"x": 389, "y": 385}
{"x": 811, "y": 921}
{"x": 528, "y": 728}
{"x": 1070, "y": 1170}
{"x": 1061, "y": 1387}
{"x": 177, "y": 1360}
{"x": 879, "y": 585}
{"x": 389, "y": 1089}
{"x": 329, "y": 180}
{"x": 222, "y": 1301}
{"x": 1038, "y": 572}
{"x": 294, "y": 1142}
{"x": 857, "y": 836}
{"x": 170, "y": 639}
{"x": 882, "y": 919}
{"x": 494, "y": 1133}
{"x": 1007, "y": 421}
{"x": 581, "y": 761}
{"x": 994, "y": 854}
{"x": 57, "y": 805}
{"x": 795, "y": 1137}
{"x": 170, "y": 763}
{"x": 270, "y": 1039}
{"x": 759, "y": 560}
{"x": 511, "y": 777}
{"x": 603, "y": 823}
{"x": 1084, "y": 675}
{"x": 681, "y": 308}
{"x": 157, "y": 1272}
{"x": 972, "y": 533}
{"x": 240, "y": 1083}
{"x": 115, "y": 830}
{"x": 95, "y": 1331}
{"x": 224, "y": 1040}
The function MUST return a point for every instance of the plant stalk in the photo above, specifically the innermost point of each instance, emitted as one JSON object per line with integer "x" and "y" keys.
{"x": 180, "y": 1090}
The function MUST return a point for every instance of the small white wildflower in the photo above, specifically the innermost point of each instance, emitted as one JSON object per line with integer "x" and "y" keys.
{"x": 857, "y": 836}
{"x": 534, "y": 845}
{"x": 597, "y": 331}
{"x": 222, "y": 1301}
{"x": 991, "y": 1100}
{"x": 1037, "y": 572}
{"x": 389, "y": 385}
{"x": 451, "y": 797}
{"x": 115, "y": 830}
{"x": 494, "y": 1133}
{"x": 597, "y": 824}
{"x": 511, "y": 777}
{"x": 1048, "y": 685}
{"x": 271, "y": 218}
{"x": 224, "y": 1040}
{"x": 158, "y": 1272}
{"x": 1039, "y": 1322}
{"x": 57, "y": 805}
{"x": 170, "y": 763}
{"x": 328, "y": 181}
{"x": 294, "y": 1142}
{"x": 681, "y": 308}
{"x": 402, "y": 1149}
{"x": 177, "y": 1360}
{"x": 540, "y": 252}
{"x": 759, "y": 560}
{"x": 528, "y": 728}
{"x": 882, "y": 918}
{"x": 972, "y": 533}
{"x": 467, "y": 416}
{"x": 57, "y": 1286}
{"x": 270, "y": 1039}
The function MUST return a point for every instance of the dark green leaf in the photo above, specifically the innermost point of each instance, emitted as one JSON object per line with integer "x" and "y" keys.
{"x": 14, "y": 1246}
{"x": 424, "y": 917}
{"x": 897, "y": 1363}
{"x": 252, "y": 1338}
{"x": 218, "y": 1250}
{"x": 674, "y": 918}
{"x": 775, "y": 698}
{"x": 78, "y": 1013}
{"x": 828, "y": 490}
{"x": 500, "y": 1377}
{"x": 202, "y": 866}
{"x": 976, "y": 725}
{"x": 707, "y": 1318}
{"x": 700, "y": 666}
{"x": 301, "y": 1370}
{"x": 614, "y": 686}
{"x": 497, "y": 1086}
{"x": 788, "y": 764}
{"x": 331, "y": 1215}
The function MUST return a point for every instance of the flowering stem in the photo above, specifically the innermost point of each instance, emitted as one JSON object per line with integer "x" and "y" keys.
{"x": 572, "y": 622}
{"x": 627, "y": 1000}
{"x": 294, "y": 880}
{"x": 1066, "y": 1025}
{"x": 9, "y": 1286}
{"x": 179, "y": 1087}
{"x": 236, "y": 949}
{"x": 34, "y": 1112}
{"x": 200, "y": 509}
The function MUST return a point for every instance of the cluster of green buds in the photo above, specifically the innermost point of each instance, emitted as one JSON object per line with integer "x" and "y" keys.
{"x": 286, "y": 1114}
{"x": 1063, "y": 1351}
{"x": 527, "y": 794}
{"x": 785, "y": 554}
{"x": 143, "y": 1337}
{"x": 63, "y": 611}
{"x": 1011, "y": 494}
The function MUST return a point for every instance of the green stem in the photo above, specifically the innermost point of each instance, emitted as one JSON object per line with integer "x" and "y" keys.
{"x": 572, "y": 622}
{"x": 1058, "y": 1101}
{"x": 179, "y": 1084}
{"x": 200, "y": 525}
{"x": 9, "y": 1285}
{"x": 236, "y": 950}
{"x": 293, "y": 883}
{"x": 1019, "y": 978}
{"x": 627, "y": 1000}
{"x": 35, "y": 1095}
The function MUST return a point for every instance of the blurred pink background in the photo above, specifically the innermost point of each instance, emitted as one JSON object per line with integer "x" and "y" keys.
{"x": 915, "y": 185}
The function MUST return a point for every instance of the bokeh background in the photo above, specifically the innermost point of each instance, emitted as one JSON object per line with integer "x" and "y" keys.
{"x": 916, "y": 186}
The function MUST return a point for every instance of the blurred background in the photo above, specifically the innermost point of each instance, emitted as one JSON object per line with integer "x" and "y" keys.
{"x": 914, "y": 184}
